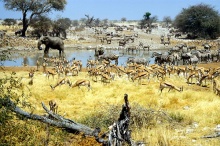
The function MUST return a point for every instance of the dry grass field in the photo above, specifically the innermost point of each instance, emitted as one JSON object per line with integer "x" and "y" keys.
{"x": 194, "y": 112}
{"x": 159, "y": 119}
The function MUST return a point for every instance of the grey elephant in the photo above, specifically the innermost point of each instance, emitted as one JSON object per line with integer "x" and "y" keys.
{"x": 51, "y": 42}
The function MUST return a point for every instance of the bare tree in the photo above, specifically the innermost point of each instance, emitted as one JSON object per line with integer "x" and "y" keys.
{"x": 167, "y": 20}
{"x": 89, "y": 20}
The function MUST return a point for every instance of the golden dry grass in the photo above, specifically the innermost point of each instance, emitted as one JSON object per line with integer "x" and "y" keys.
{"x": 194, "y": 105}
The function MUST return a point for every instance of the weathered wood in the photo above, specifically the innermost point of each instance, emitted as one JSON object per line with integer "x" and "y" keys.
{"x": 57, "y": 120}
{"x": 118, "y": 133}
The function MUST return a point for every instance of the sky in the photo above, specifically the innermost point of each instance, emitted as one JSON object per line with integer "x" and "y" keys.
{"x": 117, "y": 9}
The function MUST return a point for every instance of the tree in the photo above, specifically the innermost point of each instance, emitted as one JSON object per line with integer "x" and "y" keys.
{"x": 200, "y": 21}
{"x": 167, "y": 20}
{"x": 105, "y": 22}
{"x": 61, "y": 25}
{"x": 147, "y": 16}
{"x": 33, "y": 8}
{"x": 41, "y": 25}
{"x": 75, "y": 23}
{"x": 147, "y": 20}
{"x": 89, "y": 20}
{"x": 123, "y": 19}
{"x": 9, "y": 22}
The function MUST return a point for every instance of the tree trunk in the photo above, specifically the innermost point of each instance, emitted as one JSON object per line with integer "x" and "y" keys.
{"x": 24, "y": 23}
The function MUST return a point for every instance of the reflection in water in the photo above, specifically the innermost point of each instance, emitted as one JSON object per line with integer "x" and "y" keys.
{"x": 82, "y": 55}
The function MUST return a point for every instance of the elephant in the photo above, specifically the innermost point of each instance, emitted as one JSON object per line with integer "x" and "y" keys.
{"x": 99, "y": 50}
{"x": 51, "y": 42}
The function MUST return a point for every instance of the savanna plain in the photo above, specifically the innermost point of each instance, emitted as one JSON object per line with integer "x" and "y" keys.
{"x": 168, "y": 118}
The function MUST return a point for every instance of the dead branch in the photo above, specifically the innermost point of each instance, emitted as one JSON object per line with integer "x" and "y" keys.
{"x": 118, "y": 134}
{"x": 57, "y": 120}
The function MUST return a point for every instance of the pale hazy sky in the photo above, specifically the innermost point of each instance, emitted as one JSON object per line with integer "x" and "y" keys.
{"x": 117, "y": 9}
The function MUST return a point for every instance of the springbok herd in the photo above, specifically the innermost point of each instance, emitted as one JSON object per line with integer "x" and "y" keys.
{"x": 105, "y": 72}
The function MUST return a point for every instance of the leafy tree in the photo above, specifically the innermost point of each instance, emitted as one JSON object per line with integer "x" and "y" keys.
{"x": 147, "y": 20}
{"x": 105, "y": 22}
{"x": 33, "y": 8}
{"x": 61, "y": 25}
{"x": 123, "y": 19}
{"x": 147, "y": 16}
{"x": 9, "y": 22}
{"x": 167, "y": 20}
{"x": 41, "y": 25}
{"x": 75, "y": 23}
{"x": 200, "y": 20}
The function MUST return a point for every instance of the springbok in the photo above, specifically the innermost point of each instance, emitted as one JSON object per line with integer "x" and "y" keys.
{"x": 31, "y": 73}
{"x": 50, "y": 72}
{"x": 139, "y": 76}
{"x": 61, "y": 82}
{"x": 105, "y": 78}
{"x": 209, "y": 76}
{"x": 191, "y": 76}
{"x": 82, "y": 82}
{"x": 53, "y": 106}
{"x": 216, "y": 86}
{"x": 170, "y": 86}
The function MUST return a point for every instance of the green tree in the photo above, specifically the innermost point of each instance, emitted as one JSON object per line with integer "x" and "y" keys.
{"x": 32, "y": 8}
{"x": 61, "y": 25}
{"x": 147, "y": 16}
{"x": 123, "y": 19}
{"x": 201, "y": 21}
{"x": 147, "y": 20}
{"x": 9, "y": 22}
{"x": 41, "y": 25}
{"x": 75, "y": 23}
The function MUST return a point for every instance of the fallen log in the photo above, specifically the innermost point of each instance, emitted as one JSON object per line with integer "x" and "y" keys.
{"x": 118, "y": 133}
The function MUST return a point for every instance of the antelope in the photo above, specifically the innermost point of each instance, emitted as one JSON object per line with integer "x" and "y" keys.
{"x": 139, "y": 76}
{"x": 209, "y": 76}
{"x": 38, "y": 65}
{"x": 215, "y": 84}
{"x": 53, "y": 106}
{"x": 61, "y": 82}
{"x": 217, "y": 90}
{"x": 105, "y": 78}
{"x": 191, "y": 76}
{"x": 31, "y": 73}
{"x": 51, "y": 72}
{"x": 93, "y": 72}
{"x": 170, "y": 86}
{"x": 82, "y": 82}
{"x": 44, "y": 67}
{"x": 75, "y": 70}
{"x": 78, "y": 63}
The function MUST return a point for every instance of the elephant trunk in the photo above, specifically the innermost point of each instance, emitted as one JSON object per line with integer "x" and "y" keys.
{"x": 39, "y": 45}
